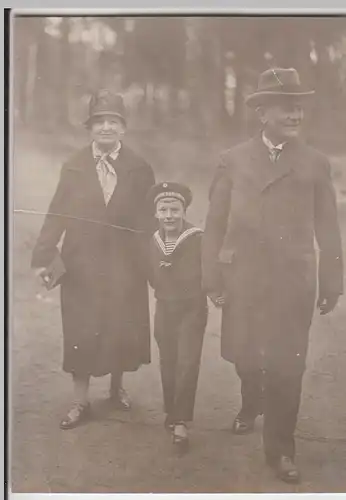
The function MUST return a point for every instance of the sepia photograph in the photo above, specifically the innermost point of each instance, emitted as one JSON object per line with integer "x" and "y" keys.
{"x": 178, "y": 220}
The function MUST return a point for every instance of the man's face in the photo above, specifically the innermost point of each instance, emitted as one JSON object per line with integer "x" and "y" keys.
{"x": 282, "y": 119}
{"x": 170, "y": 214}
{"x": 107, "y": 130}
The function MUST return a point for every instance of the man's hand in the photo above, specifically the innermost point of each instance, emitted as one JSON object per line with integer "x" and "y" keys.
{"x": 327, "y": 303}
{"x": 217, "y": 299}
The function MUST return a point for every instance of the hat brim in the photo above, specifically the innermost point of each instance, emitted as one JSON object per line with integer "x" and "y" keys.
{"x": 258, "y": 98}
{"x": 104, "y": 113}
{"x": 171, "y": 196}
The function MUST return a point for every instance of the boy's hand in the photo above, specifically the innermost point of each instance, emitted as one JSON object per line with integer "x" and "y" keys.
{"x": 217, "y": 299}
{"x": 327, "y": 304}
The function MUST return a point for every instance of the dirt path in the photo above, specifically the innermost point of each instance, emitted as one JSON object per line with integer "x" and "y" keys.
{"x": 131, "y": 452}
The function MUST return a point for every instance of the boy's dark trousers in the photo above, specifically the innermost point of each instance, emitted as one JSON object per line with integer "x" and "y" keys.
{"x": 179, "y": 331}
{"x": 277, "y": 396}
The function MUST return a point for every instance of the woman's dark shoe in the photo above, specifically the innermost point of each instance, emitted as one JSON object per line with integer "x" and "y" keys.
{"x": 180, "y": 437}
{"x": 243, "y": 426}
{"x": 121, "y": 400}
{"x": 76, "y": 416}
{"x": 286, "y": 470}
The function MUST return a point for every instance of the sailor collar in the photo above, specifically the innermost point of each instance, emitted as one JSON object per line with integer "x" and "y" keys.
{"x": 183, "y": 236}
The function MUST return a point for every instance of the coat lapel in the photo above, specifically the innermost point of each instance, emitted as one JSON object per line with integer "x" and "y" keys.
{"x": 263, "y": 171}
{"x": 89, "y": 184}
{"x": 93, "y": 180}
{"x": 125, "y": 169}
{"x": 121, "y": 168}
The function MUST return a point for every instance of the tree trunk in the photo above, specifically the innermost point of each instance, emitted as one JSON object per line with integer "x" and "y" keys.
{"x": 30, "y": 86}
{"x": 238, "y": 119}
{"x": 38, "y": 95}
{"x": 62, "y": 76}
{"x": 21, "y": 49}
{"x": 27, "y": 35}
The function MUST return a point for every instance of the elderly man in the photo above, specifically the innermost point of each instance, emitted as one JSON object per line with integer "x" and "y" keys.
{"x": 269, "y": 198}
{"x": 100, "y": 208}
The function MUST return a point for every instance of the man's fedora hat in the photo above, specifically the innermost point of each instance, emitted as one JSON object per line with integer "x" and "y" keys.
{"x": 106, "y": 102}
{"x": 276, "y": 82}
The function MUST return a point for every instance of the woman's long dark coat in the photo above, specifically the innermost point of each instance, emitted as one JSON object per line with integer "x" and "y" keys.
{"x": 258, "y": 250}
{"x": 104, "y": 294}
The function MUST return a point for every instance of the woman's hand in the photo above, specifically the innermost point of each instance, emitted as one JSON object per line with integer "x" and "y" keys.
{"x": 39, "y": 273}
{"x": 40, "y": 287}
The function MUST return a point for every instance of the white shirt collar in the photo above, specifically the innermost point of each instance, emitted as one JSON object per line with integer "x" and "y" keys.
{"x": 97, "y": 153}
{"x": 269, "y": 143}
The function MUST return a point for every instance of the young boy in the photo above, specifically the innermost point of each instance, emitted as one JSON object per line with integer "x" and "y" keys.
{"x": 181, "y": 307}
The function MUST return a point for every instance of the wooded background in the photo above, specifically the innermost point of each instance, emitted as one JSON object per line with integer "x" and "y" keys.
{"x": 183, "y": 75}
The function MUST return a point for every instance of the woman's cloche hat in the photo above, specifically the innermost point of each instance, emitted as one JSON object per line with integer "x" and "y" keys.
{"x": 106, "y": 102}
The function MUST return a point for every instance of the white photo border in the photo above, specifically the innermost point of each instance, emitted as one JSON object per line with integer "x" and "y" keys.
{"x": 129, "y": 7}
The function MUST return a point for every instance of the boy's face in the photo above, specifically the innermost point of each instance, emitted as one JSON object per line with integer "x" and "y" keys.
{"x": 170, "y": 214}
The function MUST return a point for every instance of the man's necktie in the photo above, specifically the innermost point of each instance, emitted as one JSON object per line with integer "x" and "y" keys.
{"x": 274, "y": 154}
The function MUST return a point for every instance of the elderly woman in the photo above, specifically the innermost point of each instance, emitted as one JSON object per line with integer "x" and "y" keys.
{"x": 98, "y": 208}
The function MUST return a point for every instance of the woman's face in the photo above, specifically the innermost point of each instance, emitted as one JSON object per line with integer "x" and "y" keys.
{"x": 107, "y": 130}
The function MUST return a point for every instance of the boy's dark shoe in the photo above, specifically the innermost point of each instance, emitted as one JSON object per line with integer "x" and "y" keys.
{"x": 120, "y": 400}
{"x": 243, "y": 425}
{"x": 169, "y": 423}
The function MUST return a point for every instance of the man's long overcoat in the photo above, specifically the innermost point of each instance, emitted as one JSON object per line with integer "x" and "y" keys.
{"x": 104, "y": 294}
{"x": 259, "y": 251}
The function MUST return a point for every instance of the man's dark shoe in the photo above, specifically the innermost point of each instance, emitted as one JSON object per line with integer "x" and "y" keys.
{"x": 285, "y": 469}
{"x": 180, "y": 437}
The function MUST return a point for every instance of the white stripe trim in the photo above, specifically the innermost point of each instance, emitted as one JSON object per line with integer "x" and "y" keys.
{"x": 182, "y": 237}
{"x": 188, "y": 232}
{"x": 169, "y": 194}
{"x": 159, "y": 241}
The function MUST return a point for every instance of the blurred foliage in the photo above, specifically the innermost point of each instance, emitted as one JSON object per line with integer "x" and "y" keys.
{"x": 183, "y": 74}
